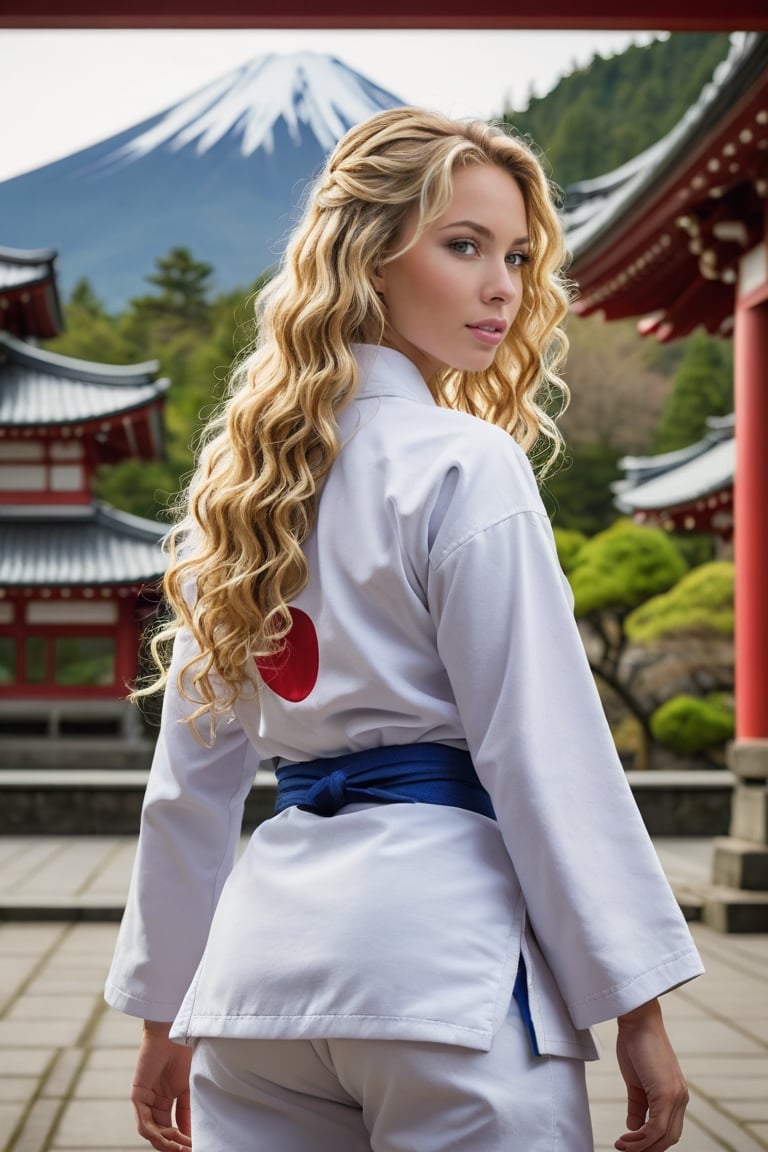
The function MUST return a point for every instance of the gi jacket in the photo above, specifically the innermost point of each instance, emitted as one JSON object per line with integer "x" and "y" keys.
{"x": 435, "y": 611}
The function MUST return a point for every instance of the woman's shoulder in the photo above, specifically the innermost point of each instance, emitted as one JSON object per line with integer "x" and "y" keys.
{"x": 487, "y": 456}
{"x": 479, "y": 478}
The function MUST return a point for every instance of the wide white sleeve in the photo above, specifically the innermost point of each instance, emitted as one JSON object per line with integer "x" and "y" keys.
{"x": 190, "y": 827}
{"x": 597, "y": 899}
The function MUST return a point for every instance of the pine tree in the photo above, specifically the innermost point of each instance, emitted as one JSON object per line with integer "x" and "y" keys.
{"x": 702, "y": 387}
{"x": 182, "y": 302}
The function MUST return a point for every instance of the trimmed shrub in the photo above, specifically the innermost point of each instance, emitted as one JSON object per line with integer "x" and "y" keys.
{"x": 690, "y": 724}
{"x": 701, "y": 602}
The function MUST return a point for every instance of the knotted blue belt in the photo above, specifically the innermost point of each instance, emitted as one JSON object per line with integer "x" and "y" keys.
{"x": 397, "y": 774}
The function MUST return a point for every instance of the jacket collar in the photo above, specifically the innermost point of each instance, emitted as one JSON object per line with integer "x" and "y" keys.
{"x": 386, "y": 372}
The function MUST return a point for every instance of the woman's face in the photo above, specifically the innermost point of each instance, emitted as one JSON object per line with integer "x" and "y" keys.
{"x": 451, "y": 298}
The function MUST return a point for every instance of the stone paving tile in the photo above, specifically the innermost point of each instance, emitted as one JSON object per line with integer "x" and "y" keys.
{"x": 98, "y": 1082}
{"x": 731, "y": 1090}
{"x": 88, "y": 938}
{"x": 71, "y": 983}
{"x": 88, "y": 965}
{"x": 122, "y": 1058}
{"x": 97, "y": 1124}
{"x": 36, "y": 1033}
{"x": 111, "y": 880}
{"x": 71, "y": 869}
{"x": 15, "y": 972}
{"x": 754, "y": 1109}
{"x": 744, "y": 1003}
{"x": 63, "y": 1074}
{"x": 30, "y": 855}
{"x": 29, "y": 939}
{"x": 114, "y": 1030}
{"x": 37, "y": 1126}
{"x": 28, "y": 1007}
{"x": 725, "y": 1129}
{"x": 11, "y": 1115}
{"x": 17, "y": 1089}
{"x": 25, "y": 1061}
{"x": 691, "y": 1036}
{"x": 61, "y": 871}
{"x": 707, "y": 1064}
{"x": 756, "y": 1028}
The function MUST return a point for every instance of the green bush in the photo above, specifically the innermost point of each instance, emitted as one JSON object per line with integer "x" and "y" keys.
{"x": 690, "y": 724}
{"x": 622, "y": 567}
{"x": 569, "y": 543}
{"x": 701, "y": 602}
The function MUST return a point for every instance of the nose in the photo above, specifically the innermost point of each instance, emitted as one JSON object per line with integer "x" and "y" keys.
{"x": 499, "y": 285}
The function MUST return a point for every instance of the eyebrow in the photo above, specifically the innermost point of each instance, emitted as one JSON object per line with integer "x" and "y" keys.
{"x": 481, "y": 230}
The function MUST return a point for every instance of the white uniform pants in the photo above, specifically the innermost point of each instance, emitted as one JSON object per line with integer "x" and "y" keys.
{"x": 386, "y": 1096}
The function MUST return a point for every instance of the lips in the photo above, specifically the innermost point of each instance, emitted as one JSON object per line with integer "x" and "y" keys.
{"x": 489, "y": 331}
{"x": 498, "y": 326}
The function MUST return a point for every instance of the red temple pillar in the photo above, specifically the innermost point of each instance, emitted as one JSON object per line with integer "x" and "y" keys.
{"x": 751, "y": 518}
{"x": 739, "y": 901}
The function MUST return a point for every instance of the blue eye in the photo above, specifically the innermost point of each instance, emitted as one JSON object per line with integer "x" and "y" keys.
{"x": 464, "y": 247}
{"x": 518, "y": 259}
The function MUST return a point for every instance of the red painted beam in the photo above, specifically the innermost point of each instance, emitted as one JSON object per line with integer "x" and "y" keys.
{"x": 683, "y": 15}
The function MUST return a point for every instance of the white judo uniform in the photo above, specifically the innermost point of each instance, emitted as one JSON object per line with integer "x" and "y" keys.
{"x": 435, "y": 611}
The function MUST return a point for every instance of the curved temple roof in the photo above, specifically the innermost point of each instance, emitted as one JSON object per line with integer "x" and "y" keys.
{"x": 78, "y": 545}
{"x": 697, "y": 480}
{"x": 664, "y": 233}
{"x": 41, "y": 389}
{"x": 29, "y": 299}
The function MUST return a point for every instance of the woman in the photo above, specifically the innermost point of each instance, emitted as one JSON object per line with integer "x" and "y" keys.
{"x": 457, "y": 884}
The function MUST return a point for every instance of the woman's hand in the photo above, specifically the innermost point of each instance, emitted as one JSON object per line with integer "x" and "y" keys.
{"x": 657, "y": 1094}
{"x": 160, "y": 1090}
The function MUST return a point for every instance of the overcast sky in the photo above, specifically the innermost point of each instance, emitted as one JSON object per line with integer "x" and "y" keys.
{"x": 66, "y": 89}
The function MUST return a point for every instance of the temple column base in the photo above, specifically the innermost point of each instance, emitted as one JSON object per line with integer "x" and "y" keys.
{"x": 737, "y": 900}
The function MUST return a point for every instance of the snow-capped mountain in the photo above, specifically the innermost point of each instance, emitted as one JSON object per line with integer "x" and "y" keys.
{"x": 221, "y": 173}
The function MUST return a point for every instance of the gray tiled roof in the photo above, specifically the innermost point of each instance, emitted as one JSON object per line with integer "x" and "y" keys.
{"x": 77, "y": 545}
{"x": 708, "y": 473}
{"x": 675, "y": 479}
{"x": 21, "y": 267}
{"x": 42, "y": 388}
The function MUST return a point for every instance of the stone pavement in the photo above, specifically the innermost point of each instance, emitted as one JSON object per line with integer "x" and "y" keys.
{"x": 66, "y": 1059}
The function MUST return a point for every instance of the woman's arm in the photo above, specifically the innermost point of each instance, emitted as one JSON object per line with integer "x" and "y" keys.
{"x": 657, "y": 1094}
{"x": 160, "y": 1090}
{"x": 190, "y": 827}
{"x": 604, "y": 916}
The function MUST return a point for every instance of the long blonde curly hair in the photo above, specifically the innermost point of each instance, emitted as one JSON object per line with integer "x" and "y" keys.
{"x": 236, "y": 559}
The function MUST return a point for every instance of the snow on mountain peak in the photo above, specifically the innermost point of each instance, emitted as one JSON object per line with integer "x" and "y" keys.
{"x": 307, "y": 90}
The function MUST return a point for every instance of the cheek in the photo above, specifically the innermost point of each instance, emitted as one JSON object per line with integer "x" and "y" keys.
{"x": 523, "y": 299}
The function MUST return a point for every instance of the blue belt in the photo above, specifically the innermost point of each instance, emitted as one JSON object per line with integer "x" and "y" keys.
{"x": 397, "y": 774}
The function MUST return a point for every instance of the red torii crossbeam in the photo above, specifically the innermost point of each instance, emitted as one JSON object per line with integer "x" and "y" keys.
{"x": 704, "y": 15}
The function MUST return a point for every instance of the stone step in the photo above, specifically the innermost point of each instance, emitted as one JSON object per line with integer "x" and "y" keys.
{"x": 740, "y": 863}
{"x": 737, "y": 910}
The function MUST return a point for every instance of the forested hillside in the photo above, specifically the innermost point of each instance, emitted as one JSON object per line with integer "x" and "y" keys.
{"x": 601, "y": 116}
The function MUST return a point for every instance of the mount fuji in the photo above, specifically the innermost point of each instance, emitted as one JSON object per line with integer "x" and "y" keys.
{"x": 221, "y": 173}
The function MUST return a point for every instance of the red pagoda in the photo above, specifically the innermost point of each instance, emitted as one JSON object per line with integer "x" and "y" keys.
{"x": 76, "y": 576}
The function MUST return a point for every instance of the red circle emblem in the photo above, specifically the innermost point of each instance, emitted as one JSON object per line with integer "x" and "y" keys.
{"x": 291, "y": 673}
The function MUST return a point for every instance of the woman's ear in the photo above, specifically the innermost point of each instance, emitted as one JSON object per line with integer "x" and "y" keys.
{"x": 377, "y": 281}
